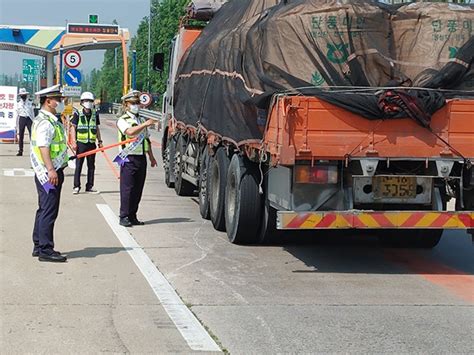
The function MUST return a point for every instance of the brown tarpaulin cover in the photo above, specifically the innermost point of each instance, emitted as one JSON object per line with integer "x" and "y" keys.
{"x": 204, "y": 9}
{"x": 253, "y": 47}
{"x": 427, "y": 36}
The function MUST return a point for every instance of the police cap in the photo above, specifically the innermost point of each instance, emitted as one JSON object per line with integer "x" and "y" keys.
{"x": 52, "y": 91}
{"x": 131, "y": 96}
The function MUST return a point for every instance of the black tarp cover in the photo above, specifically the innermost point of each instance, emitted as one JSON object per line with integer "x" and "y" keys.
{"x": 254, "y": 48}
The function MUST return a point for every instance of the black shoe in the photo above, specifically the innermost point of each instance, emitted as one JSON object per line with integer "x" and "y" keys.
{"x": 136, "y": 222}
{"x": 19, "y": 154}
{"x": 92, "y": 191}
{"x": 124, "y": 221}
{"x": 53, "y": 258}
{"x": 36, "y": 253}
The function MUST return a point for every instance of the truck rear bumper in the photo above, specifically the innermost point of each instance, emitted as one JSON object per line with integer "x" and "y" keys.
{"x": 357, "y": 219}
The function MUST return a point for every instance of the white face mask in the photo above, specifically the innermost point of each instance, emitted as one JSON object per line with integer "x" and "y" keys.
{"x": 87, "y": 105}
{"x": 134, "y": 109}
{"x": 60, "y": 107}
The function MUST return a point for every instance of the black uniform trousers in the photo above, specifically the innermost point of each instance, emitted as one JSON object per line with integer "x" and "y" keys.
{"x": 82, "y": 148}
{"x": 48, "y": 209}
{"x": 22, "y": 123}
{"x": 132, "y": 181}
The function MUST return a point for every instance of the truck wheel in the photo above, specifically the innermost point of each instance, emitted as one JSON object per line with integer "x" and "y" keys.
{"x": 242, "y": 202}
{"x": 468, "y": 200}
{"x": 218, "y": 181}
{"x": 168, "y": 162}
{"x": 204, "y": 185}
{"x": 411, "y": 238}
{"x": 181, "y": 186}
{"x": 268, "y": 233}
{"x": 427, "y": 238}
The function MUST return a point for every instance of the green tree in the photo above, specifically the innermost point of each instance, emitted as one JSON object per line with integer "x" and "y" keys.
{"x": 110, "y": 83}
{"x": 94, "y": 82}
{"x": 165, "y": 15}
{"x": 107, "y": 83}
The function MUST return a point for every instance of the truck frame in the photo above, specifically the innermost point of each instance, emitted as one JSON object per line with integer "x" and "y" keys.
{"x": 320, "y": 167}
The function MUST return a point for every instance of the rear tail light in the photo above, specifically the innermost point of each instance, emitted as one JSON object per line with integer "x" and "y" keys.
{"x": 322, "y": 174}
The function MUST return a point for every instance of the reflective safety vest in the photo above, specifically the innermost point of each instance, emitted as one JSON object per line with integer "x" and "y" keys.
{"x": 58, "y": 147}
{"x": 86, "y": 129}
{"x": 142, "y": 148}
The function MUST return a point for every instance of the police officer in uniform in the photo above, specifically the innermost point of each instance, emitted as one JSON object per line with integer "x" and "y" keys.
{"x": 133, "y": 158}
{"x": 48, "y": 158}
{"x": 25, "y": 118}
{"x": 86, "y": 131}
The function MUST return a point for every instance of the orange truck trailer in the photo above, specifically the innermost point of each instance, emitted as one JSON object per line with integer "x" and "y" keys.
{"x": 320, "y": 167}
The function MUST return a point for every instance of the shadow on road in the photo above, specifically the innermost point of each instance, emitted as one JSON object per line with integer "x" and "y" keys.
{"x": 92, "y": 252}
{"x": 362, "y": 254}
{"x": 109, "y": 192}
{"x": 169, "y": 220}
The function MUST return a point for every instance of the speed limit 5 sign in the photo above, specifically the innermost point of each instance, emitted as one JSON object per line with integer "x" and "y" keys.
{"x": 72, "y": 59}
{"x": 146, "y": 99}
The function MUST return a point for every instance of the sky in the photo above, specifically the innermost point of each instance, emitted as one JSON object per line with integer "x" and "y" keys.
{"x": 128, "y": 14}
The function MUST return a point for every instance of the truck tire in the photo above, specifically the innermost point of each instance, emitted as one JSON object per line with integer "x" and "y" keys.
{"x": 411, "y": 238}
{"x": 204, "y": 169}
{"x": 242, "y": 201}
{"x": 268, "y": 232}
{"x": 181, "y": 186}
{"x": 468, "y": 199}
{"x": 218, "y": 181}
{"x": 168, "y": 162}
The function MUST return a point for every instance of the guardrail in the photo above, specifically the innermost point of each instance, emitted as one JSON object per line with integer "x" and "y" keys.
{"x": 143, "y": 112}
{"x": 117, "y": 109}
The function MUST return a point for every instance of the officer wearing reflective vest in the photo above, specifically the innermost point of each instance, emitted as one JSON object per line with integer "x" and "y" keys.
{"x": 85, "y": 131}
{"x": 48, "y": 159}
{"x": 132, "y": 157}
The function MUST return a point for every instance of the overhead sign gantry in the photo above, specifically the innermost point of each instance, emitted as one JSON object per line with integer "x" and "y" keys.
{"x": 50, "y": 41}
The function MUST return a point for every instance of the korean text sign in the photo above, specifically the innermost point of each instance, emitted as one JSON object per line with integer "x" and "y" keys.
{"x": 8, "y": 111}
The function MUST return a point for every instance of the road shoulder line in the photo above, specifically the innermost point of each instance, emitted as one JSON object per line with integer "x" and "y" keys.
{"x": 188, "y": 325}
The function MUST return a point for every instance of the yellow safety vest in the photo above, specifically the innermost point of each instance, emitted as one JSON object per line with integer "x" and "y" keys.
{"x": 58, "y": 147}
{"x": 86, "y": 129}
{"x": 142, "y": 148}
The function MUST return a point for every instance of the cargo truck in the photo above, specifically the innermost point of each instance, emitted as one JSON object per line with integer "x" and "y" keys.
{"x": 318, "y": 165}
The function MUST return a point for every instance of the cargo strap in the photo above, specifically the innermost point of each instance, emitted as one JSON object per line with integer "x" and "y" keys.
{"x": 41, "y": 172}
{"x": 122, "y": 157}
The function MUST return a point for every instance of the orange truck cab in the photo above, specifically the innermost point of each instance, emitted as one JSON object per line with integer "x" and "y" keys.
{"x": 183, "y": 40}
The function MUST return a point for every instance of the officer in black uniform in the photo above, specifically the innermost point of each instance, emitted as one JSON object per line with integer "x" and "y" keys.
{"x": 48, "y": 158}
{"x": 85, "y": 130}
{"x": 133, "y": 162}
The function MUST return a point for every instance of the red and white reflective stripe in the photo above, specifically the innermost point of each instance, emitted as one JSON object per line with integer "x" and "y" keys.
{"x": 375, "y": 220}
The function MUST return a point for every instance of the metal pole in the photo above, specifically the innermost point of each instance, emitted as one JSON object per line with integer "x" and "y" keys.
{"x": 125, "y": 64}
{"x": 149, "y": 48}
{"x": 134, "y": 69}
{"x": 60, "y": 79}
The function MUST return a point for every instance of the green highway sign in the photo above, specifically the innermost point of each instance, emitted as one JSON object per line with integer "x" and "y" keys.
{"x": 31, "y": 68}
{"x": 94, "y": 18}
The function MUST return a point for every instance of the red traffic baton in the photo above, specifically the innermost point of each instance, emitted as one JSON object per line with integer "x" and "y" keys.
{"x": 90, "y": 152}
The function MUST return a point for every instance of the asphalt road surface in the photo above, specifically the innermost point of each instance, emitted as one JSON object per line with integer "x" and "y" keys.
{"x": 131, "y": 291}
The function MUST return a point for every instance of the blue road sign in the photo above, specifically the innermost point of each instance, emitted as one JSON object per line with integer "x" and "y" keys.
{"x": 72, "y": 77}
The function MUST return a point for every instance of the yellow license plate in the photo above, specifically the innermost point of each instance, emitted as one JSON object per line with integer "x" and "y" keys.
{"x": 394, "y": 186}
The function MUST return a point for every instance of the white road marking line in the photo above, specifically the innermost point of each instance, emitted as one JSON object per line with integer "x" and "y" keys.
{"x": 20, "y": 172}
{"x": 188, "y": 325}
